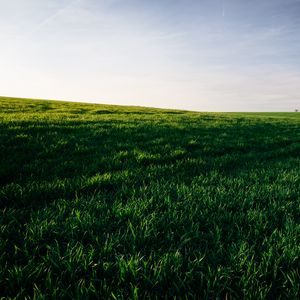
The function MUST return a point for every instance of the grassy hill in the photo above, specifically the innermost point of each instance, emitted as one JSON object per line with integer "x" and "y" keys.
{"x": 113, "y": 202}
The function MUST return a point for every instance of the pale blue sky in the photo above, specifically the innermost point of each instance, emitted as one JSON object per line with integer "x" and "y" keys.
{"x": 205, "y": 55}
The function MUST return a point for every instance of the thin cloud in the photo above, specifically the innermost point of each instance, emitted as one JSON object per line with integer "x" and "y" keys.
{"x": 52, "y": 17}
{"x": 223, "y": 8}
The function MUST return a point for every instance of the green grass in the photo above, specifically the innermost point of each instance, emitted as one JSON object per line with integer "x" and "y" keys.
{"x": 115, "y": 202}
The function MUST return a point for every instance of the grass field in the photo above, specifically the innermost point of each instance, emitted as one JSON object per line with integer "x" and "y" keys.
{"x": 115, "y": 202}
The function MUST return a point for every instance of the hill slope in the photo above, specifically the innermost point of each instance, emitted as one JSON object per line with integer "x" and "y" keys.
{"x": 114, "y": 202}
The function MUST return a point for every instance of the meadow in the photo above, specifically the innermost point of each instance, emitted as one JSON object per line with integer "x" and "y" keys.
{"x": 112, "y": 202}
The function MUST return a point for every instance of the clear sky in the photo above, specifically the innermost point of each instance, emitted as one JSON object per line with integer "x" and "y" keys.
{"x": 205, "y": 55}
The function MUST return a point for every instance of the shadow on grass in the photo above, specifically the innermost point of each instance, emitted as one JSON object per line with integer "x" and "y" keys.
{"x": 44, "y": 153}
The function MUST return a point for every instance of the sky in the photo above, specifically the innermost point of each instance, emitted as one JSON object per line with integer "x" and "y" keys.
{"x": 202, "y": 55}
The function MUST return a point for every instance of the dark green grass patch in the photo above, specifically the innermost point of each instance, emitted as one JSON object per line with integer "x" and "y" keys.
{"x": 112, "y": 202}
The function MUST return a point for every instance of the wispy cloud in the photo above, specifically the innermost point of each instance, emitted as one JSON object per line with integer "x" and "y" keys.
{"x": 223, "y": 8}
{"x": 52, "y": 17}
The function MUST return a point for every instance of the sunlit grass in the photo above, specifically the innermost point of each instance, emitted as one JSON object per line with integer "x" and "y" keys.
{"x": 115, "y": 202}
